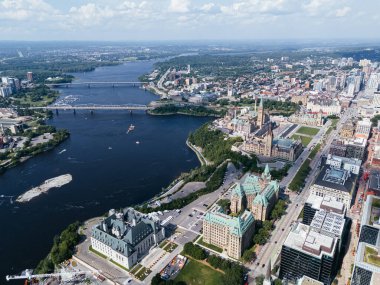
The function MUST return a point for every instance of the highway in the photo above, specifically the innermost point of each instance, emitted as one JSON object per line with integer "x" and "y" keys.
{"x": 272, "y": 249}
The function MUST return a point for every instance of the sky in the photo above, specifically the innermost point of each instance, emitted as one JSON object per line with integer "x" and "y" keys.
{"x": 120, "y": 20}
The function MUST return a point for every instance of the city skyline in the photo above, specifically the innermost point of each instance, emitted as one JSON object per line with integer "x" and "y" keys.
{"x": 118, "y": 20}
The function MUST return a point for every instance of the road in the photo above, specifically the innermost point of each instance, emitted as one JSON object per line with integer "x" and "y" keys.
{"x": 271, "y": 250}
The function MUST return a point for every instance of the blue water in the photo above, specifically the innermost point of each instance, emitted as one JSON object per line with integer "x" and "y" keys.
{"x": 109, "y": 169}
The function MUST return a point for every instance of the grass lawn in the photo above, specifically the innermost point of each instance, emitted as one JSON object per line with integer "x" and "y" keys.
{"x": 136, "y": 268}
{"x": 97, "y": 252}
{"x": 196, "y": 273}
{"x": 163, "y": 244}
{"x": 304, "y": 139}
{"x": 371, "y": 256}
{"x": 170, "y": 247}
{"x": 143, "y": 273}
{"x": 307, "y": 131}
{"x": 210, "y": 246}
{"x": 44, "y": 102}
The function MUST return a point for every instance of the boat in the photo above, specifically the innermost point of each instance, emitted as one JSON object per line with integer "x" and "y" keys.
{"x": 62, "y": 151}
{"x": 109, "y": 147}
{"x": 131, "y": 128}
{"x": 137, "y": 142}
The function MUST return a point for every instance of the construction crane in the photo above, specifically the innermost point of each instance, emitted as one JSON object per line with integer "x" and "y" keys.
{"x": 28, "y": 274}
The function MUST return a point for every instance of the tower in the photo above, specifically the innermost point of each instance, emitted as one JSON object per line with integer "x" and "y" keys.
{"x": 266, "y": 174}
{"x": 268, "y": 275}
{"x": 260, "y": 115}
{"x": 269, "y": 141}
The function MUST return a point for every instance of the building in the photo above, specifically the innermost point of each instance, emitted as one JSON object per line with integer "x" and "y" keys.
{"x": 373, "y": 184}
{"x": 260, "y": 143}
{"x": 328, "y": 106}
{"x": 350, "y": 164}
{"x": 5, "y": 91}
{"x": 338, "y": 148}
{"x": 126, "y": 237}
{"x": 348, "y": 130}
{"x": 300, "y": 98}
{"x": 305, "y": 280}
{"x": 370, "y": 222}
{"x": 356, "y": 148}
{"x": 307, "y": 252}
{"x": 232, "y": 234}
{"x": 258, "y": 194}
{"x": 307, "y": 118}
{"x": 29, "y": 76}
{"x": 315, "y": 203}
{"x": 363, "y": 128}
{"x": 339, "y": 184}
{"x": 366, "y": 269}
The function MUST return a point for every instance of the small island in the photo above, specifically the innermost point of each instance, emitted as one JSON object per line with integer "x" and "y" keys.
{"x": 55, "y": 182}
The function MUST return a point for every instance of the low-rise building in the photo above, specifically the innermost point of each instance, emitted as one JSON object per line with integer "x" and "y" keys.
{"x": 350, "y": 164}
{"x": 307, "y": 118}
{"x": 348, "y": 130}
{"x": 338, "y": 148}
{"x": 328, "y": 106}
{"x": 126, "y": 237}
{"x": 339, "y": 184}
{"x": 231, "y": 234}
{"x": 356, "y": 148}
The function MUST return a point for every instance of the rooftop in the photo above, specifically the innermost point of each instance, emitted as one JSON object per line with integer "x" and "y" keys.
{"x": 328, "y": 223}
{"x": 305, "y": 280}
{"x": 338, "y": 179}
{"x": 304, "y": 239}
{"x": 326, "y": 203}
{"x": 371, "y": 212}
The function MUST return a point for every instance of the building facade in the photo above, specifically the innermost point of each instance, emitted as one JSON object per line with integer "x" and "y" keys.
{"x": 231, "y": 234}
{"x": 258, "y": 194}
{"x": 126, "y": 237}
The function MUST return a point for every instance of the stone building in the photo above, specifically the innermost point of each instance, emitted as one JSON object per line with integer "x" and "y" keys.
{"x": 258, "y": 194}
{"x": 348, "y": 130}
{"x": 232, "y": 234}
{"x": 307, "y": 118}
{"x": 126, "y": 237}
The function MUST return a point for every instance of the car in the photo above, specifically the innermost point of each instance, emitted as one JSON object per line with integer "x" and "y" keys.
{"x": 129, "y": 280}
{"x": 190, "y": 215}
{"x": 205, "y": 205}
{"x": 258, "y": 263}
{"x": 283, "y": 229}
{"x": 275, "y": 242}
{"x": 245, "y": 278}
{"x": 263, "y": 265}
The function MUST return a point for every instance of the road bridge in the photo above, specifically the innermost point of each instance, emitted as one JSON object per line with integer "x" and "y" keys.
{"x": 95, "y": 83}
{"x": 93, "y": 107}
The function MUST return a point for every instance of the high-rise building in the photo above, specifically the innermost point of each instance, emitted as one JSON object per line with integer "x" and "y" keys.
{"x": 307, "y": 252}
{"x": 29, "y": 76}
{"x": 366, "y": 269}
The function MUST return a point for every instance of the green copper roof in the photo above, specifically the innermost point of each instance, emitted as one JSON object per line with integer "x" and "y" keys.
{"x": 237, "y": 225}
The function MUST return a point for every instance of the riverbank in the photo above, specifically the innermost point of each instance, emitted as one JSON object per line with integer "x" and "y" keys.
{"x": 189, "y": 110}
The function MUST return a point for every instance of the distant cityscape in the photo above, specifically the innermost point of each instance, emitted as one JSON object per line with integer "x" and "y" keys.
{"x": 287, "y": 188}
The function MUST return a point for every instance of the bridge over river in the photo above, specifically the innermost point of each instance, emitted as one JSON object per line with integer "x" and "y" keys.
{"x": 93, "y": 107}
{"x": 95, "y": 83}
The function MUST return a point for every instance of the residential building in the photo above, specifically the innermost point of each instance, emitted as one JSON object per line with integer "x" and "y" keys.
{"x": 258, "y": 194}
{"x": 29, "y": 76}
{"x": 126, "y": 237}
{"x": 232, "y": 234}
{"x": 338, "y": 162}
{"x": 339, "y": 184}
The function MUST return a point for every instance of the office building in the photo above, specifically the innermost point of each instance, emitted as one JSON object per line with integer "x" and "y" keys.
{"x": 363, "y": 128}
{"x": 307, "y": 252}
{"x": 29, "y": 76}
{"x": 232, "y": 234}
{"x": 339, "y": 184}
{"x": 355, "y": 148}
{"x": 126, "y": 237}
{"x": 338, "y": 162}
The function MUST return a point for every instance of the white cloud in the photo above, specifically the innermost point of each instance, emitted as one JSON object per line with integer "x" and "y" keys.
{"x": 207, "y": 7}
{"x": 343, "y": 12}
{"x": 90, "y": 14}
{"x": 179, "y": 6}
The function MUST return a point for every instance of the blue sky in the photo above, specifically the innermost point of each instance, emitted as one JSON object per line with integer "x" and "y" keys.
{"x": 188, "y": 19}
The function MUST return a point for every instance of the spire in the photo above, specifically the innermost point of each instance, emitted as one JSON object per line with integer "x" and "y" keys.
{"x": 261, "y": 102}
{"x": 266, "y": 170}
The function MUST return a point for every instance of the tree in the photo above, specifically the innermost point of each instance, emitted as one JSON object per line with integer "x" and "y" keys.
{"x": 249, "y": 256}
{"x": 259, "y": 280}
{"x": 277, "y": 282}
{"x": 194, "y": 251}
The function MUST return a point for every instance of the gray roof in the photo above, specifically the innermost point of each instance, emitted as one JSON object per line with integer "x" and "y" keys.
{"x": 338, "y": 179}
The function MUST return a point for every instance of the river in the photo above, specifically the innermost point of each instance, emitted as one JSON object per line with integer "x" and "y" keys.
{"x": 109, "y": 169}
